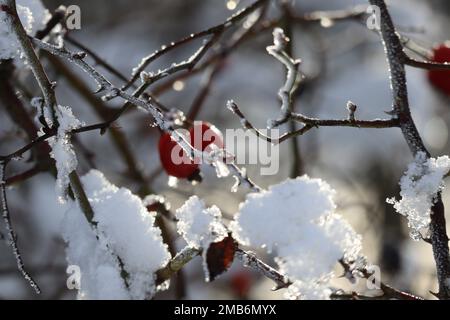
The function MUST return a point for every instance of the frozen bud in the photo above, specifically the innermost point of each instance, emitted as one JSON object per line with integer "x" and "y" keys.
{"x": 231, "y": 105}
{"x": 351, "y": 107}
{"x": 279, "y": 39}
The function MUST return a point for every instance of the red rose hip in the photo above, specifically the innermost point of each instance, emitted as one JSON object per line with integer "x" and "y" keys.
{"x": 440, "y": 79}
{"x": 174, "y": 160}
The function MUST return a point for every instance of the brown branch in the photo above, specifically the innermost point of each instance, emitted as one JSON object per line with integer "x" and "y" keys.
{"x": 396, "y": 61}
{"x": 57, "y": 17}
{"x": 97, "y": 59}
{"x": 215, "y": 31}
{"x": 250, "y": 260}
{"x": 310, "y": 123}
{"x": 388, "y": 291}
{"x": 12, "y": 238}
{"x": 34, "y": 64}
{"x": 429, "y": 65}
{"x": 119, "y": 139}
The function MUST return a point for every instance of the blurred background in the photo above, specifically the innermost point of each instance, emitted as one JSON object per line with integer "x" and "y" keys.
{"x": 342, "y": 61}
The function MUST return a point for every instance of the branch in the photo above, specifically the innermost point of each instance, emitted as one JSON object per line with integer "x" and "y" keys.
{"x": 12, "y": 238}
{"x": 310, "y": 123}
{"x": 49, "y": 98}
{"x": 388, "y": 291}
{"x": 98, "y": 60}
{"x": 216, "y": 31}
{"x": 119, "y": 139}
{"x": 396, "y": 61}
{"x": 33, "y": 61}
{"x": 250, "y": 260}
{"x": 328, "y": 17}
{"x": 429, "y": 65}
{"x": 149, "y": 106}
{"x": 292, "y": 78}
{"x": 177, "y": 262}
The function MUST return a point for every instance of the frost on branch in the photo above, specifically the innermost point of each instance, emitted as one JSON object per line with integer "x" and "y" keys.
{"x": 62, "y": 149}
{"x": 296, "y": 219}
{"x": 125, "y": 229}
{"x": 200, "y": 226}
{"x": 33, "y": 16}
{"x": 419, "y": 187}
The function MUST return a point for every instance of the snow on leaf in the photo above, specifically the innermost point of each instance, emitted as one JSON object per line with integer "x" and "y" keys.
{"x": 201, "y": 227}
{"x": 125, "y": 229}
{"x": 419, "y": 187}
{"x": 296, "y": 219}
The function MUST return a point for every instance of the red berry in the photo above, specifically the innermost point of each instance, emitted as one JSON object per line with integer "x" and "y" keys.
{"x": 203, "y": 134}
{"x": 173, "y": 158}
{"x": 440, "y": 79}
{"x": 241, "y": 283}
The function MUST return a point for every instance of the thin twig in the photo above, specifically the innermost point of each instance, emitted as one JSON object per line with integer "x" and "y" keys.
{"x": 33, "y": 61}
{"x": 216, "y": 31}
{"x": 310, "y": 123}
{"x": 429, "y": 65}
{"x": 12, "y": 239}
{"x": 250, "y": 260}
{"x": 98, "y": 60}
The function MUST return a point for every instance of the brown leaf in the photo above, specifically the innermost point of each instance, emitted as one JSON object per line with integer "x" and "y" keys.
{"x": 219, "y": 257}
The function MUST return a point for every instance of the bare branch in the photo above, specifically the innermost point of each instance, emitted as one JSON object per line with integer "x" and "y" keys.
{"x": 250, "y": 260}
{"x": 36, "y": 67}
{"x": 215, "y": 31}
{"x": 292, "y": 77}
{"x": 429, "y": 65}
{"x": 12, "y": 239}
{"x": 310, "y": 123}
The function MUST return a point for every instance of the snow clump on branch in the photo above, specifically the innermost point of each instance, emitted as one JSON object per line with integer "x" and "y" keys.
{"x": 33, "y": 16}
{"x": 419, "y": 186}
{"x": 124, "y": 230}
{"x": 297, "y": 220}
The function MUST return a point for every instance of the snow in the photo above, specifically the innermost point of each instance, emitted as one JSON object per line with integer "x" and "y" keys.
{"x": 200, "y": 226}
{"x": 304, "y": 231}
{"x": 125, "y": 229}
{"x": 62, "y": 149}
{"x": 33, "y": 16}
{"x": 100, "y": 271}
{"x": 419, "y": 186}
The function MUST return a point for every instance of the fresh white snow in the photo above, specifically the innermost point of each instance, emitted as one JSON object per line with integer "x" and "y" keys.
{"x": 33, "y": 16}
{"x": 62, "y": 149}
{"x": 124, "y": 229}
{"x": 200, "y": 226}
{"x": 419, "y": 186}
{"x": 296, "y": 219}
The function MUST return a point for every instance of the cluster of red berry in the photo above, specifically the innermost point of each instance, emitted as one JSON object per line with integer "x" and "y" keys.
{"x": 201, "y": 136}
{"x": 440, "y": 79}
